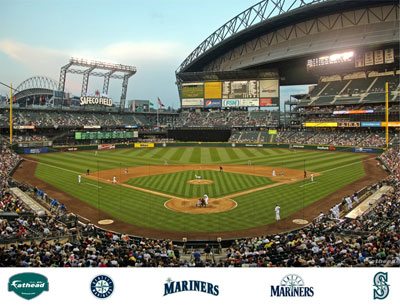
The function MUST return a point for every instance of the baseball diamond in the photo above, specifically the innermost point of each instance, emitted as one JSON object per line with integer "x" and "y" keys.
{"x": 155, "y": 197}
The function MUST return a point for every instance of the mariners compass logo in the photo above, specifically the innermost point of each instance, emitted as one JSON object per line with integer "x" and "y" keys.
{"x": 382, "y": 288}
{"x": 292, "y": 285}
{"x": 102, "y": 286}
{"x": 28, "y": 285}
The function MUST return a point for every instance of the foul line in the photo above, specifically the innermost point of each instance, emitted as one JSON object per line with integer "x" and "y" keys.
{"x": 64, "y": 169}
{"x": 306, "y": 184}
{"x": 92, "y": 185}
{"x": 333, "y": 169}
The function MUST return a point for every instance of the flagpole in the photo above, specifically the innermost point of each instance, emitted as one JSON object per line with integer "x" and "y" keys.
{"x": 157, "y": 115}
{"x": 11, "y": 119}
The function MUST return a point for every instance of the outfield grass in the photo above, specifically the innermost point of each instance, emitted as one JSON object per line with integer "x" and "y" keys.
{"x": 144, "y": 209}
{"x": 225, "y": 183}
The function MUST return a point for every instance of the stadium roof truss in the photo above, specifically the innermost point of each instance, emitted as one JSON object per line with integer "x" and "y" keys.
{"x": 261, "y": 35}
{"x": 257, "y": 13}
{"x": 110, "y": 68}
{"x": 37, "y": 85}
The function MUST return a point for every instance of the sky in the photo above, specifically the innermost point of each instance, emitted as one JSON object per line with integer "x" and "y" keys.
{"x": 37, "y": 37}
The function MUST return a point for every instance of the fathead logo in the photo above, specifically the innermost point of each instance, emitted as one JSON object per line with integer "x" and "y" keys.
{"x": 28, "y": 285}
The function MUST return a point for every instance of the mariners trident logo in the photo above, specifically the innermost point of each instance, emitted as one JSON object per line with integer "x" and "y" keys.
{"x": 382, "y": 288}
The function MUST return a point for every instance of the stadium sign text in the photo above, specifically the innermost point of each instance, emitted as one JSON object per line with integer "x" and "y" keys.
{"x": 171, "y": 287}
{"x": 28, "y": 285}
{"x": 96, "y": 100}
{"x": 292, "y": 285}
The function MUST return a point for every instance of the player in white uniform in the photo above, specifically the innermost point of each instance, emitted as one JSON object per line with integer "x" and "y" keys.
{"x": 79, "y": 178}
{"x": 249, "y": 162}
{"x": 277, "y": 212}
{"x": 349, "y": 203}
{"x": 114, "y": 180}
{"x": 206, "y": 199}
{"x": 312, "y": 177}
{"x": 95, "y": 153}
{"x": 273, "y": 173}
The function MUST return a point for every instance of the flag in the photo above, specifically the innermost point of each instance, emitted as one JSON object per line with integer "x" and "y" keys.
{"x": 151, "y": 105}
{"x": 159, "y": 102}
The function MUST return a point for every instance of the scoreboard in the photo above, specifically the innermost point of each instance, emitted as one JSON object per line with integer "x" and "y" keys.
{"x": 230, "y": 94}
{"x": 101, "y": 135}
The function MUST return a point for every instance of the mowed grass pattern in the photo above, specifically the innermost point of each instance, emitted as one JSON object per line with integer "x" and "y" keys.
{"x": 223, "y": 183}
{"x": 144, "y": 209}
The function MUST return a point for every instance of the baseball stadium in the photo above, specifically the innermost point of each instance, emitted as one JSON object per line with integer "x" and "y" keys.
{"x": 236, "y": 177}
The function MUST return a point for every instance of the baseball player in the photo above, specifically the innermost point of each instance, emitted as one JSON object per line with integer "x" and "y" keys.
{"x": 277, "y": 212}
{"x": 249, "y": 162}
{"x": 355, "y": 197}
{"x": 79, "y": 178}
{"x": 95, "y": 153}
{"x": 312, "y": 177}
{"x": 126, "y": 171}
{"x": 206, "y": 199}
{"x": 165, "y": 162}
{"x": 273, "y": 173}
{"x": 281, "y": 174}
{"x": 349, "y": 203}
{"x": 114, "y": 181}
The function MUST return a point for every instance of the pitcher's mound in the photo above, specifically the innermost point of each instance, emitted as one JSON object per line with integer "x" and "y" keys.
{"x": 200, "y": 181}
{"x": 189, "y": 205}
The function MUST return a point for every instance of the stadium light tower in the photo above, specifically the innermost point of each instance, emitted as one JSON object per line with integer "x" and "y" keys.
{"x": 91, "y": 67}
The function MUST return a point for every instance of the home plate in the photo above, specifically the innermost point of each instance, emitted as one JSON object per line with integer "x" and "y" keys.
{"x": 105, "y": 222}
{"x": 300, "y": 221}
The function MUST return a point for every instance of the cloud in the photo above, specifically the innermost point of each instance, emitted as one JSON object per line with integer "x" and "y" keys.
{"x": 156, "y": 63}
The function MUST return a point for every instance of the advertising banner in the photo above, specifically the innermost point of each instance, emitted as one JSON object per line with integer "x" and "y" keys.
{"x": 194, "y": 102}
{"x": 144, "y": 145}
{"x": 390, "y": 124}
{"x": 212, "y": 103}
{"x": 272, "y": 132}
{"x": 321, "y": 124}
{"x": 213, "y": 90}
{"x": 269, "y": 88}
{"x": 106, "y": 146}
{"x": 230, "y": 103}
{"x": 267, "y": 102}
{"x": 35, "y": 150}
{"x": 370, "y": 124}
{"x": 249, "y": 102}
{"x": 366, "y": 150}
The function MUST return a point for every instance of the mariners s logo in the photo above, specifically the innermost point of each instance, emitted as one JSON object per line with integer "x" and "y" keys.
{"x": 382, "y": 288}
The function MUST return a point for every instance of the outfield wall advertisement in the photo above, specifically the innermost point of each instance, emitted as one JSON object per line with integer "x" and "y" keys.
{"x": 212, "y": 103}
{"x": 192, "y": 102}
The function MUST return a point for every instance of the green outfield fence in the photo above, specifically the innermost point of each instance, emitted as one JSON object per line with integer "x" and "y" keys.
{"x": 325, "y": 148}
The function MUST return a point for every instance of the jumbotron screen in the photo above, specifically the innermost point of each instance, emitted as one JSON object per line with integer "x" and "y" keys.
{"x": 193, "y": 90}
